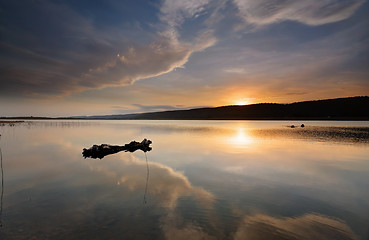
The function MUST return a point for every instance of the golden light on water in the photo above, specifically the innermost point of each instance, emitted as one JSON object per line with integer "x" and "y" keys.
{"x": 241, "y": 138}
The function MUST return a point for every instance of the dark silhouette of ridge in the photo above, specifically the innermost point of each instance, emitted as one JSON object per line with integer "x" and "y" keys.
{"x": 351, "y": 108}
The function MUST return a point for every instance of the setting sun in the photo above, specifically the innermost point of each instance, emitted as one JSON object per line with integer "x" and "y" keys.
{"x": 242, "y": 101}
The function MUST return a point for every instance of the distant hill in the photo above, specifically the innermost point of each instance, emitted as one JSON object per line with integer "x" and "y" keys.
{"x": 352, "y": 108}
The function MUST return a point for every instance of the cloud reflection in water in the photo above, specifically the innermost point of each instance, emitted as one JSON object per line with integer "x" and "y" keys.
{"x": 306, "y": 227}
{"x": 166, "y": 187}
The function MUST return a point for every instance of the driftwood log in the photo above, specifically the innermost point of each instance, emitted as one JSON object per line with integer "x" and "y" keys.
{"x": 100, "y": 151}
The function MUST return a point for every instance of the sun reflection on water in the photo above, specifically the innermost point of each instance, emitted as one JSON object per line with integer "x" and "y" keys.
{"x": 241, "y": 138}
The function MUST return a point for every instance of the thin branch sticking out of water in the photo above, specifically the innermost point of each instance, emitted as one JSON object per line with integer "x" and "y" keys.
{"x": 2, "y": 186}
{"x": 147, "y": 179}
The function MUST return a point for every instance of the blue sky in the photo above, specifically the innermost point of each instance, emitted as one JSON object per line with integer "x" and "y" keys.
{"x": 64, "y": 58}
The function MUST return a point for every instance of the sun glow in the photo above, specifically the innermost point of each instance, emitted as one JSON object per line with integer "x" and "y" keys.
{"x": 243, "y": 101}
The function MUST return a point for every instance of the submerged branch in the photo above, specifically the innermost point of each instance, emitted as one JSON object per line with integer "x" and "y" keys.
{"x": 100, "y": 151}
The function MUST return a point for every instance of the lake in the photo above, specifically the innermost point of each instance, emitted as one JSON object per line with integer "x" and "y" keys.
{"x": 201, "y": 180}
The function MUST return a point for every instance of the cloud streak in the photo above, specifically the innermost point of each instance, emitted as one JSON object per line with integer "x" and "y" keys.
{"x": 174, "y": 12}
{"x": 94, "y": 60}
{"x": 142, "y": 62}
{"x": 311, "y": 12}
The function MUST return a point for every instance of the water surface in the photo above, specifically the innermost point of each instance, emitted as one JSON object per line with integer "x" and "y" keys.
{"x": 202, "y": 180}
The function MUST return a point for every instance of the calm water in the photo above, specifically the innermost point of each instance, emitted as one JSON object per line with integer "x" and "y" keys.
{"x": 202, "y": 180}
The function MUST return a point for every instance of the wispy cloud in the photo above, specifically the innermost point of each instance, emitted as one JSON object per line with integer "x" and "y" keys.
{"x": 152, "y": 108}
{"x": 235, "y": 70}
{"x": 175, "y": 12}
{"x": 110, "y": 59}
{"x": 141, "y": 108}
{"x": 310, "y": 12}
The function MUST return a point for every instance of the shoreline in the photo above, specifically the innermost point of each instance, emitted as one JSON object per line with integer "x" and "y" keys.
{"x": 22, "y": 119}
{"x": 10, "y": 122}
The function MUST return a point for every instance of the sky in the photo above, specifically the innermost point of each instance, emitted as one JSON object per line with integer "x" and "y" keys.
{"x": 90, "y": 57}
